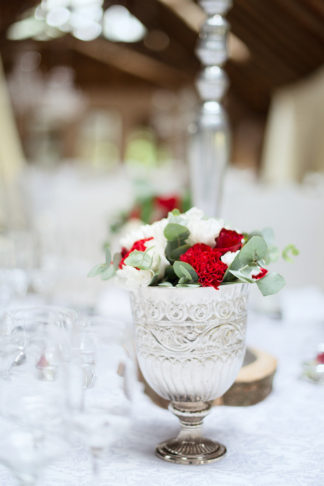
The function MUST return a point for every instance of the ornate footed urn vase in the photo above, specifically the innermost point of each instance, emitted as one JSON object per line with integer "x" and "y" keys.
{"x": 190, "y": 345}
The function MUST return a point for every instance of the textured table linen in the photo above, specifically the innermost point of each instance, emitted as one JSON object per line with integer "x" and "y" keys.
{"x": 279, "y": 442}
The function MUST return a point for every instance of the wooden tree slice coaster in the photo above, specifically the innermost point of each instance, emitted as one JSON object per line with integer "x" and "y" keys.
{"x": 254, "y": 381}
{"x": 252, "y": 385}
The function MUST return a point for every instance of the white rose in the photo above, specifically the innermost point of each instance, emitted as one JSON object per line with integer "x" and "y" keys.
{"x": 229, "y": 257}
{"x": 156, "y": 249}
{"x": 202, "y": 230}
{"x": 133, "y": 278}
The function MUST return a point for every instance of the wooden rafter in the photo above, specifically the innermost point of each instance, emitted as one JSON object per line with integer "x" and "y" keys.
{"x": 129, "y": 61}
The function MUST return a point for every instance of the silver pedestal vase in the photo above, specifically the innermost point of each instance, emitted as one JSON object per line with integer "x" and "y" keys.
{"x": 190, "y": 345}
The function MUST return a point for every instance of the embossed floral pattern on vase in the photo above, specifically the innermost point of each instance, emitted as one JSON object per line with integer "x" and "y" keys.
{"x": 190, "y": 342}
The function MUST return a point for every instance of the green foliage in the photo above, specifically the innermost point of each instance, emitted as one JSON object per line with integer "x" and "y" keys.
{"x": 165, "y": 284}
{"x": 97, "y": 270}
{"x": 271, "y": 283}
{"x": 140, "y": 259}
{"x": 254, "y": 254}
{"x": 245, "y": 273}
{"x": 155, "y": 280}
{"x": 185, "y": 273}
{"x": 108, "y": 269}
{"x": 170, "y": 275}
{"x": 248, "y": 260}
{"x": 268, "y": 236}
{"x": 194, "y": 285}
{"x": 108, "y": 272}
{"x": 146, "y": 209}
{"x": 272, "y": 255}
{"x": 186, "y": 202}
{"x": 253, "y": 251}
{"x": 176, "y": 234}
{"x": 289, "y": 251}
{"x": 173, "y": 252}
{"x": 107, "y": 253}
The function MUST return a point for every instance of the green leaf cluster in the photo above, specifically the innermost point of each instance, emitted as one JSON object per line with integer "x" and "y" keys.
{"x": 247, "y": 263}
{"x": 108, "y": 269}
{"x": 176, "y": 235}
{"x": 288, "y": 252}
{"x": 140, "y": 259}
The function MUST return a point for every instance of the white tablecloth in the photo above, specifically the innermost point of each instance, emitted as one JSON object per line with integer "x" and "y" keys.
{"x": 279, "y": 441}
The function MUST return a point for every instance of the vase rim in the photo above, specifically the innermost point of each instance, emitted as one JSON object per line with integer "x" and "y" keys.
{"x": 221, "y": 288}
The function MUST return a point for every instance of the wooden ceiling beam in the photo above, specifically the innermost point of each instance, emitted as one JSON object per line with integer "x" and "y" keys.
{"x": 275, "y": 68}
{"x": 181, "y": 38}
{"x": 295, "y": 41}
{"x": 266, "y": 40}
{"x": 130, "y": 62}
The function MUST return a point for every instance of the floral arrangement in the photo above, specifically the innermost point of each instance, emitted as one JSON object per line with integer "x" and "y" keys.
{"x": 151, "y": 208}
{"x": 190, "y": 250}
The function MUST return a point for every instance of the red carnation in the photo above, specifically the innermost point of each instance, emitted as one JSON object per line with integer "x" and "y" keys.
{"x": 229, "y": 240}
{"x": 138, "y": 245}
{"x": 263, "y": 272}
{"x": 167, "y": 204}
{"x": 207, "y": 264}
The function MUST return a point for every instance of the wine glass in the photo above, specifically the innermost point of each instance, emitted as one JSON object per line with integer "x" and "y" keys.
{"x": 33, "y": 407}
{"x": 33, "y": 327}
{"x": 102, "y": 413}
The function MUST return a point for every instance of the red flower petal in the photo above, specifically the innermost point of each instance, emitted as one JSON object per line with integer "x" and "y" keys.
{"x": 138, "y": 245}
{"x": 167, "y": 203}
{"x": 207, "y": 264}
{"x": 229, "y": 240}
{"x": 263, "y": 272}
{"x": 320, "y": 358}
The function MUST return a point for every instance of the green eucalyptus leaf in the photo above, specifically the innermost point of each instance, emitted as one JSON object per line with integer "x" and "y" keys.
{"x": 268, "y": 236}
{"x": 272, "y": 255}
{"x": 116, "y": 260}
{"x": 190, "y": 285}
{"x": 97, "y": 270}
{"x": 107, "y": 253}
{"x": 253, "y": 251}
{"x": 245, "y": 273}
{"x": 177, "y": 252}
{"x": 185, "y": 272}
{"x": 271, "y": 283}
{"x": 165, "y": 284}
{"x": 170, "y": 275}
{"x": 176, "y": 232}
{"x": 139, "y": 259}
{"x": 289, "y": 251}
{"x": 235, "y": 265}
{"x": 155, "y": 280}
{"x": 228, "y": 277}
{"x": 147, "y": 208}
{"x": 108, "y": 273}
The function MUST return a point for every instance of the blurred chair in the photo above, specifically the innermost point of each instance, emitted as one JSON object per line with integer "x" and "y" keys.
{"x": 294, "y": 142}
{"x": 11, "y": 162}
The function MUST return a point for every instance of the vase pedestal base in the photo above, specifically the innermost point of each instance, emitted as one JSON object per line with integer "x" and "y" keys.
{"x": 190, "y": 447}
{"x": 178, "y": 451}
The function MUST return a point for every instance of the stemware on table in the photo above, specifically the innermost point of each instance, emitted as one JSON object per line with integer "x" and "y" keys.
{"x": 33, "y": 406}
{"x": 100, "y": 403}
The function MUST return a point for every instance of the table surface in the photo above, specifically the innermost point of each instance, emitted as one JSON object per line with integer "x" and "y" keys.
{"x": 279, "y": 441}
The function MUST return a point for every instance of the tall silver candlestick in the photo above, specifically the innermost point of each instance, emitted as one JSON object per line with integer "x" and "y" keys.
{"x": 209, "y": 142}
